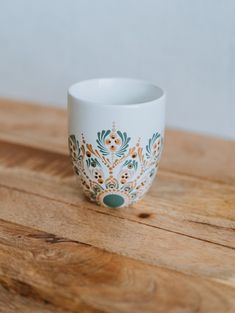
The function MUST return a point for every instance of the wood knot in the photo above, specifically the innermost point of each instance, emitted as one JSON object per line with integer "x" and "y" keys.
{"x": 144, "y": 215}
{"x": 51, "y": 238}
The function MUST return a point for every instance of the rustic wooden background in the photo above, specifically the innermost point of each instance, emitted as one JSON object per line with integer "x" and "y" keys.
{"x": 172, "y": 252}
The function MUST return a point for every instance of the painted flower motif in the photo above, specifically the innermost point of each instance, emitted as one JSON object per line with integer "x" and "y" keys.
{"x": 113, "y": 173}
{"x": 112, "y": 142}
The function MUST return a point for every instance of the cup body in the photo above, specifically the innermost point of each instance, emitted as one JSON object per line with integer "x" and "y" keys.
{"x": 116, "y": 129}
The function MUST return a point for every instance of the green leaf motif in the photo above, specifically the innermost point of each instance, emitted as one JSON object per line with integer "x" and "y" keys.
{"x": 128, "y": 187}
{"x": 75, "y": 152}
{"x": 74, "y": 148}
{"x": 125, "y": 143}
{"x": 131, "y": 164}
{"x": 111, "y": 183}
{"x": 96, "y": 188}
{"x": 150, "y": 145}
{"x": 100, "y": 141}
{"x": 93, "y": 162}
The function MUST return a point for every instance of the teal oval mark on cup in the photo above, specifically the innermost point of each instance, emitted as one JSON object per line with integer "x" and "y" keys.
{"x": 113, "y": 200}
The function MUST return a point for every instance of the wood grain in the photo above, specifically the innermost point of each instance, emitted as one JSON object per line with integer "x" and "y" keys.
{"x": 37, "y": 126}
{"x": 200, "y": 156}
{"x": 81, "y": 278}
{"x": 12, "y": 302}
{"x": 172, "y": 252}
{"x": 119, "y": 235}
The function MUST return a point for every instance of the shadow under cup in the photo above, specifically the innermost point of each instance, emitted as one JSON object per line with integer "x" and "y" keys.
{"x": 116, "y": 128}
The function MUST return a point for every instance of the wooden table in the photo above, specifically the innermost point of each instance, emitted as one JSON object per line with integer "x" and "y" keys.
{"x": 173, "y": 252}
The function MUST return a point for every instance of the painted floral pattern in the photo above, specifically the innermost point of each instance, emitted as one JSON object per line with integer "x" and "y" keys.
{"x": 115, "y": 173}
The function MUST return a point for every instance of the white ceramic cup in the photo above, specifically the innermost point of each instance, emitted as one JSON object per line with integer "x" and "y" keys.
{"x": 116, "y": 128}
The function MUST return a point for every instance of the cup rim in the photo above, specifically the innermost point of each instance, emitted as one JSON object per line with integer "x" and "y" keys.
{"x": 158, "y": 93}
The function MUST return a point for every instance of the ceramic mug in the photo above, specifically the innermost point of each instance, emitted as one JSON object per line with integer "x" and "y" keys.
{"x": 116, "y": 128}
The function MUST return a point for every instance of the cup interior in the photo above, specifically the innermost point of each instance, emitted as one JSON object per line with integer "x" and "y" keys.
{"x": 115, "y": 91}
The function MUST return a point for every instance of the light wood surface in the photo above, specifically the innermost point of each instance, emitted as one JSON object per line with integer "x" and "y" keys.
{"x": 172, "y": 252}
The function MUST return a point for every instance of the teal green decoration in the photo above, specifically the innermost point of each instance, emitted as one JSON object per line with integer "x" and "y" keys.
{"x": 113, "y": 200}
